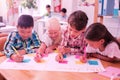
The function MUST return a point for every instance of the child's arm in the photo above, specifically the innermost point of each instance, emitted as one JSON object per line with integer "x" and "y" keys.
{"x": 36, "y": 43}
{"x": 51, "y": 48}
{"x": 40, "y": 52}
{"x": 36, "y": 40}
{"x": 63, "y": 50}
{"x": 42, "y": 48}
{"x": 75, "y": 49}
{"x": 22, "y": 52}
{"x": 9, "y": 42}
{"x": 105, "y": 58}
{"x": 16, "y": 57}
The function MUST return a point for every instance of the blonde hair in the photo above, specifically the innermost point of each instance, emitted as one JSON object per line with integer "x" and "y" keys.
{"x": 53, "y": 23}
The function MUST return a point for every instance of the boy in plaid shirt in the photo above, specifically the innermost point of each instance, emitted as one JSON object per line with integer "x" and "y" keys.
{"x": 73, "y": 38}
{"x": 24, "y": 40}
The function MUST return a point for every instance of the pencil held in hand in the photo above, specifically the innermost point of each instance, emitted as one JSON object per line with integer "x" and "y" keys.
{"x": 15, "y": 50}
{"x": 85, "y": 54}
{"x": 83, "y": 58}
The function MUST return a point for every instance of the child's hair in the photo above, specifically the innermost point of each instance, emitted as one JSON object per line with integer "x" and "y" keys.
{"x": 53, "y": 23}
{"x": 48, "y": 6}
{"x": 25, "y": 21}
{"x": 78, "y": 20}
{"x": 98, "y": 31}
{"x": 64, "y": 10}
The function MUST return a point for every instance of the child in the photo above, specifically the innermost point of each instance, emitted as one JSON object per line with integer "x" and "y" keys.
{"x": 63, "y": 16}
{"x": 52, "y": 38}
{"x": 47, "y": 15}
{"x": 73, "y": 38}
{"x": 48, "y": 9}
{"x": 101, "y": 44}
{"x": 24, "y": 40}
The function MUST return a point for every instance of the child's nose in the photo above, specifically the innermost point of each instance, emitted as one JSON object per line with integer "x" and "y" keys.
{"x": 71, "y": 32}
{"x": 53, "y": 35}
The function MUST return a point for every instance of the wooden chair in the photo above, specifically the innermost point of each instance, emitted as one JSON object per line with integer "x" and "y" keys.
{"x": 2, "y": 42}
{"x": 3, "y": 38}
{"x": 3, "y": 35}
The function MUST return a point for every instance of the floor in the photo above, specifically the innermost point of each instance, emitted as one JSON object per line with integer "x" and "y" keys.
{"x": 1, "y": 77}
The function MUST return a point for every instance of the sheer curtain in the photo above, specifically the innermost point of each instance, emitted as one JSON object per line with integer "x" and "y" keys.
{"x": 12, "y": 11}
{"x": 3, "y": 10}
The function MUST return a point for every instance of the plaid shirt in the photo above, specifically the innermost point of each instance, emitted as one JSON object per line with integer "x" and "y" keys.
{"x": 77, "y": 45}
{"x": 14, "y": 39}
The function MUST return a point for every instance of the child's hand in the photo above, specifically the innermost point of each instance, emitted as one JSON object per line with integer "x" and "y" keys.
{"x": 35, "y": 50}
{"x": 17, "y": 57}
{"x": 38, "y": 57}
{"x": 22, "y": 52}
{"x": 61, "y": 49}
{"x": 59, "y": 57}
{"x": 83, "y": 59}
{"x": 48, "y": 50}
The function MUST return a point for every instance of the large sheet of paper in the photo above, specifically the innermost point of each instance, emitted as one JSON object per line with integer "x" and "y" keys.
{"x": 71, "y": 63}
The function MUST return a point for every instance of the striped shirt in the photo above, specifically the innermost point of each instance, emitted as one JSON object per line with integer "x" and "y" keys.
{"x": 77, "y": 45}
{"x": 14, "y": 39}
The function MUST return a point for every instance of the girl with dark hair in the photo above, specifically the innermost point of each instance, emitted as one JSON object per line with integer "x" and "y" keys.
{"x": 101, "y": 44}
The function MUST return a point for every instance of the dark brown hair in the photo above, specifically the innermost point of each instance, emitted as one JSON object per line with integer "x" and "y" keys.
{"x": 64, "y": 10}
{"x": 48, "y": 6}
{"x": 78, "y": 20}
{"x": 98, "y": 31}
{"x": 25, "y": 21}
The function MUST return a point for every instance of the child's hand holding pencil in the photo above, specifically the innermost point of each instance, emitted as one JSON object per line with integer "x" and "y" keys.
{"x": 59, "y": 57}
{"x": 38, "y": 57}
{"x": 16, "y": 56}
{"x": 83, "y": 58}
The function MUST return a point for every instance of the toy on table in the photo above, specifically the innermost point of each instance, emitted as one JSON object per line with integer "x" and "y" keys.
{"x": 15, "y": 50}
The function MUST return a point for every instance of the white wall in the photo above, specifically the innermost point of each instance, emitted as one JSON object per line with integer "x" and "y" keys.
{"x": 3, "y": 9}
{"x": 113, "y": 25}
{"x": 70, "y": 5}
{"x": 89, "y": 10}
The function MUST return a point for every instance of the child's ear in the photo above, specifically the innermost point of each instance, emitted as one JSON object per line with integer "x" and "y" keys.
{"x": 102, "y": 40}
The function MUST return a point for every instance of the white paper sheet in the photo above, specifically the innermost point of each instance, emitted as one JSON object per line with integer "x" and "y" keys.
{"x": 50, "y": 64}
